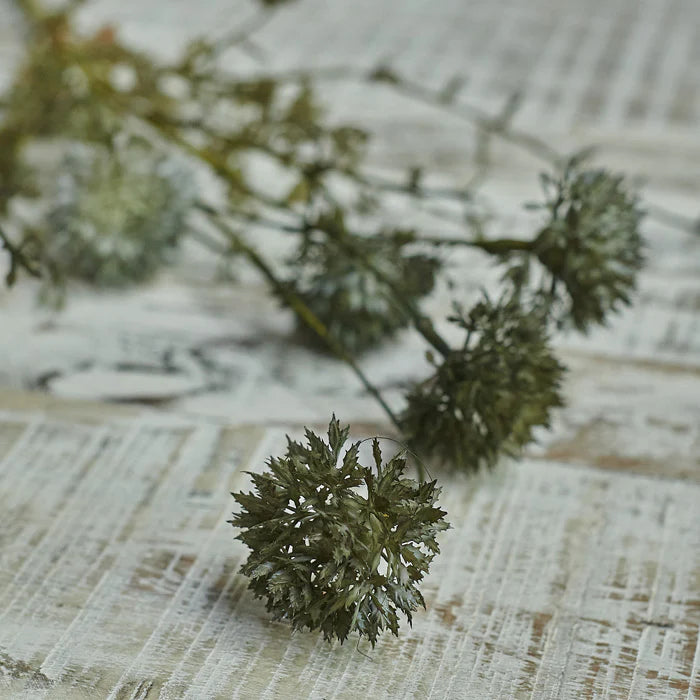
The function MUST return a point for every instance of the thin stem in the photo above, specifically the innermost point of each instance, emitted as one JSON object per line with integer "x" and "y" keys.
{"x": 497, "y": 246}
{"x": 296, "y": 303}
{"x": 267, "y": 223}
{"x": 297, "y": 75}
{"x": 211, "y": 158}
{"x": 421, "y": 466}
{"x": 472, "y": 114}
{"x": 241, "y": 35}
{"x": 377, "y": 182}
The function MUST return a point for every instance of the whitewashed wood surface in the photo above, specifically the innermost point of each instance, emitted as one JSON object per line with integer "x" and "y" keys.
{"x": 574, "y": 573}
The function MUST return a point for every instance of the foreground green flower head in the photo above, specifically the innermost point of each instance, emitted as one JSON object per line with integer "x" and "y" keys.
{"x": 337, "y": 546}
{"x": 358, "y": 307}
{"x": 485, "y": 398}
{"x": 591, "y": 246}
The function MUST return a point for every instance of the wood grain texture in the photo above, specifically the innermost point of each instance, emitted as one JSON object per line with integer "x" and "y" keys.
{"x": 119, "y": 576}
{"x": 572, "y": 574}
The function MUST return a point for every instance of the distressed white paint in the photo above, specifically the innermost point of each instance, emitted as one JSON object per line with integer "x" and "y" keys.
{"x": 573, "y": 574}
{"x": 118, "y": 575}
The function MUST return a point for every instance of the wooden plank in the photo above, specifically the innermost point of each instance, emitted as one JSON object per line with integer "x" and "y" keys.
{"x": 119, "y": 577}
{"x": 573, "y": 574}
{"x": 629, "y": 415}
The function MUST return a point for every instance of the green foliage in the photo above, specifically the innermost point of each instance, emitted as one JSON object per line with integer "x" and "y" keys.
{"x": 337, "y": 546}
{"x": 356, "y": 305}
{"x": 485, "y": 399}
{"x": 591, "y": 247}
{"x": 67, "y": 86}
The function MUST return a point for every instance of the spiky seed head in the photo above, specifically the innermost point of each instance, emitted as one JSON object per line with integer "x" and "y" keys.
{"x": 334, "y": 545}
{"x": 591, "y": 246}
{"x": 485, "y": 399}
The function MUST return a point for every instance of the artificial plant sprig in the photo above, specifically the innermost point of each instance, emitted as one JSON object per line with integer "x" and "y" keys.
{"x": 337, "y": 546}
{"x": 324, "y": 554}
{"x": 350, "y": 290}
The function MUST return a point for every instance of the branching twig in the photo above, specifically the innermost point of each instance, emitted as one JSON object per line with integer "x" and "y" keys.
{"x": 17, "y": 259}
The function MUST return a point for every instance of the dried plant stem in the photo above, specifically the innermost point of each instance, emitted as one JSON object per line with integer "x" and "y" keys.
{"x": 295, "y": 302}
{"x": 496, "y": 246}
{"x": 17, "y": 258}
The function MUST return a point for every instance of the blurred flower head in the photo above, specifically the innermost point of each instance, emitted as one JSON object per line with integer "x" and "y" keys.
{"x": 357, "y": 305}
{"x": 591, "y": 247}
{"x": 116, "y": 215}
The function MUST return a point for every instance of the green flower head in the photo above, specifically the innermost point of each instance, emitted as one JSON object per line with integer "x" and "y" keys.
{"x": 590, "y": 247}
{"x": 337, "y": 546}
{"x": 116, "y": 217}
{"x": 357, "y": 306}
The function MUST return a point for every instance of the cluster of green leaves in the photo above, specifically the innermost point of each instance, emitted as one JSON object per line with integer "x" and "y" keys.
{"x": 485, "y": 398}
{"x": 97, "y": 92}
{"x": 335, "y": 545}
{"x": 360, "y": 307}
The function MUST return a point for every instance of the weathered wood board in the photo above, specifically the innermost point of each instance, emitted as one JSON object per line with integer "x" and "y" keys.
{"x": 119, "y": 575}
{"x": 572, "y": 574}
